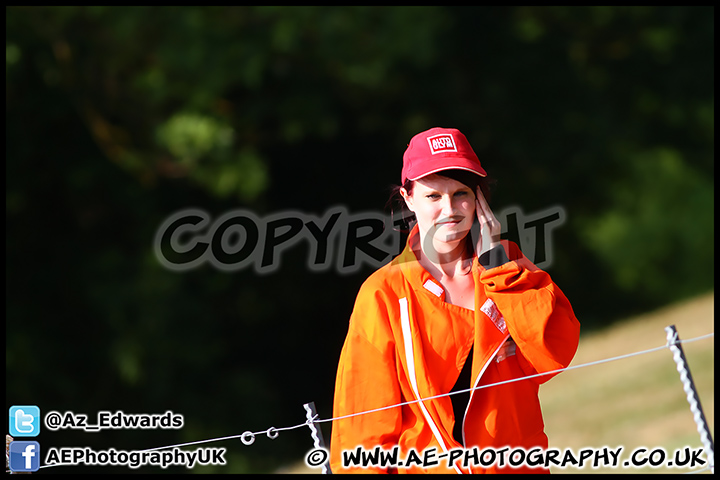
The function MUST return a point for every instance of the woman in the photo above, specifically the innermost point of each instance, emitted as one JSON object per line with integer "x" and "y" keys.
{"x": 448, "y": 314}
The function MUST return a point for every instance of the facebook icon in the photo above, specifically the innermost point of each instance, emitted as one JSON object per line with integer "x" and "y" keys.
{"x": 24, "y": 456}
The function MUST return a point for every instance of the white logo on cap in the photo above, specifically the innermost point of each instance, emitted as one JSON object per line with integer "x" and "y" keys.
{"x": 442, "y": 143}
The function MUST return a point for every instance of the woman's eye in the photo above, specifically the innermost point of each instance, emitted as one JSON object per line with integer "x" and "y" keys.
{"x": 433, "y": 196}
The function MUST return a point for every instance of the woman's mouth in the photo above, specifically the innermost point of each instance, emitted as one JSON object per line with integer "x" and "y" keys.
{"x": 450, "y": 222}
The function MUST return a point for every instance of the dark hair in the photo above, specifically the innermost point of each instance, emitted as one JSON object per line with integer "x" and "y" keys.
{"x": 403, "y": 218}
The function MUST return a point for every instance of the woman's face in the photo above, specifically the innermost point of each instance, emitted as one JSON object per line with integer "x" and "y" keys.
{"x": 444, "y": 208}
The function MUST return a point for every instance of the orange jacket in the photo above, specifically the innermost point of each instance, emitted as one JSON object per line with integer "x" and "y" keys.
{"x": 405, "y": 343}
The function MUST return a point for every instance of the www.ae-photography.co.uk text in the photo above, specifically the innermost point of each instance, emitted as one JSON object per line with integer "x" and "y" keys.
{"x": 240, "y": 239}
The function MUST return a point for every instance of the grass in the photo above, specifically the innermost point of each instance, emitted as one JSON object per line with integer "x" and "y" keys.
{"x": 637, "y": 401}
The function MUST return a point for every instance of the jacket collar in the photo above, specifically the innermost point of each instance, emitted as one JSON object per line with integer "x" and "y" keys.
{"x": 419, "y": 278}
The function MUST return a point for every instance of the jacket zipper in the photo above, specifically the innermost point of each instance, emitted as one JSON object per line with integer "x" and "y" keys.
{"x": 477, "y": 381}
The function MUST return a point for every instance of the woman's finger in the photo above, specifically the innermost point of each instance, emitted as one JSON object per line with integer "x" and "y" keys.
{"x": 487, "y": 218}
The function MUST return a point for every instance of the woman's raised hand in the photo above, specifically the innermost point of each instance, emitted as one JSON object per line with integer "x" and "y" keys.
{"x": 490, "y": 227}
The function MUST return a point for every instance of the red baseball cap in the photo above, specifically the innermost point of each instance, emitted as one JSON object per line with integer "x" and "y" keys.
{"x": 439, "y": 149}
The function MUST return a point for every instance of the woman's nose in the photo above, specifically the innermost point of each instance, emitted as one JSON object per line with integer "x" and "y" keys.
{"x": 447, "y": 206}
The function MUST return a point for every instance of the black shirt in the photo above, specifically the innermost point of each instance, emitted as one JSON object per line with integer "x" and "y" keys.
{"x": 460, "y": 400}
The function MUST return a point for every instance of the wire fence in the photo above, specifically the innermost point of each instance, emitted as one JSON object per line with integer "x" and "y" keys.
{"x": 673, "y": 343}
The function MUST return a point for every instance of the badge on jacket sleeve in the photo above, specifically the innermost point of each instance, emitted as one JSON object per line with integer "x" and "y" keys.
{"x": 490, "y": 309}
